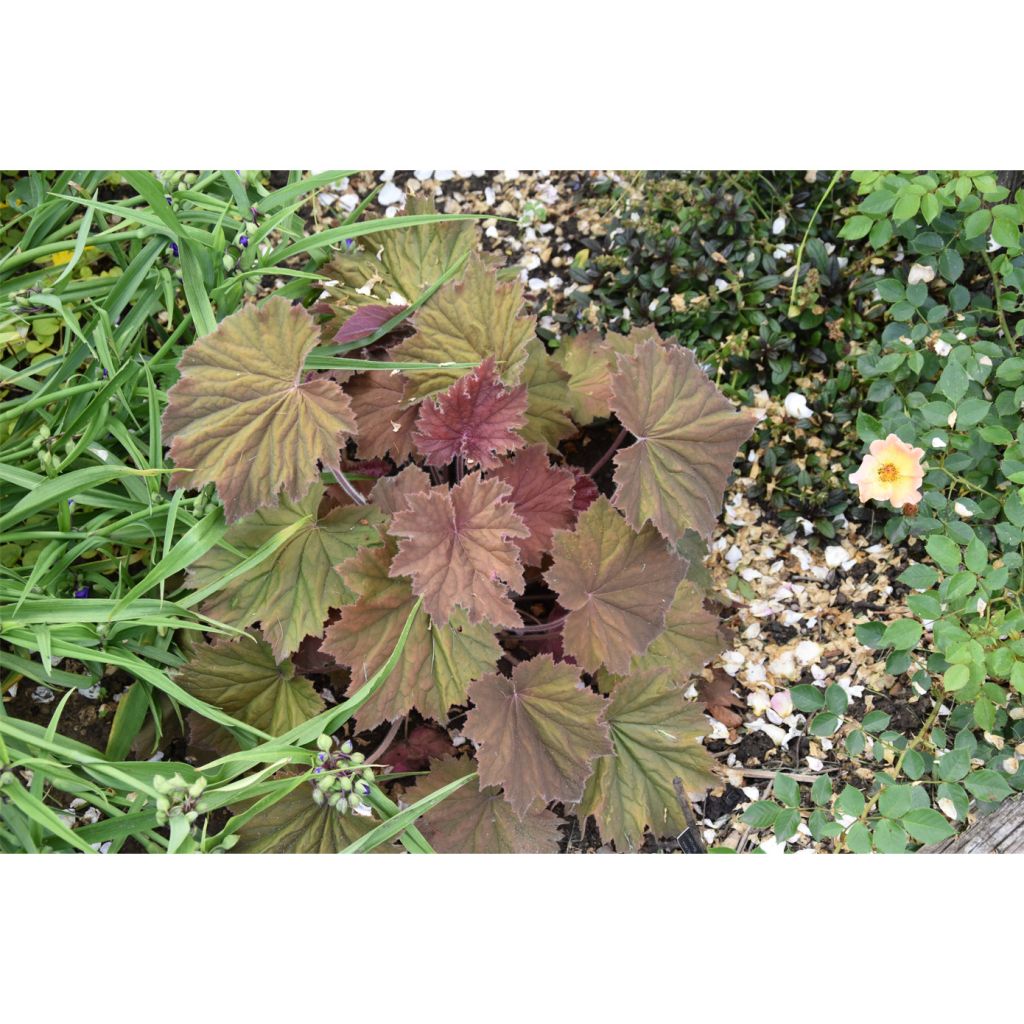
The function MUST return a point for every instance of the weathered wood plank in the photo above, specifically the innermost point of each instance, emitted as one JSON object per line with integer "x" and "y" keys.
{"x": 1002, "y": 831}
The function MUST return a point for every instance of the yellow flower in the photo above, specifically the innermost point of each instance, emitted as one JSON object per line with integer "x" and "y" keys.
{"x": 58, "y": 259}
{"x": 892, "y": 471}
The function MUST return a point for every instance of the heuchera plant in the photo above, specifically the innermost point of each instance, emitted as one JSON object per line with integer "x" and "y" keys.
{"x": 414, "y": 510}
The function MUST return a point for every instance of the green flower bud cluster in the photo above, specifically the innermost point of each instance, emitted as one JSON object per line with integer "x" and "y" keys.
{"x": 179, "y": 798}
{"x": 341, "y": 780}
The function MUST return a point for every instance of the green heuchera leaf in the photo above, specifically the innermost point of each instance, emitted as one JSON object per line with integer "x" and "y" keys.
{"x": 616, "y": 583}
{"x": 656, "y": 733}
{"x": 691, "y": 637}
{"x": 411, "y": 260}
{"x": 474, "y": 820}
{"x": 243, "y": 678}
{"x": 547, "y": 399}
{"x": 417, "y": 257}
{"x": 290, "y": 592}
{"x": 437, "y": 663}
{"x": 458, "y": 547}
{"x": 244, "y": 416}
{"x": 537, "y": 733}
{"x": 590, "y": 361}
{"x": 296, "y": 825}
{"x": 465, "y": 322}
{"x": 687, "y": 435}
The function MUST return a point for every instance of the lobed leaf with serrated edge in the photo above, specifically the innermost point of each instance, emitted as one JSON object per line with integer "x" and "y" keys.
{"x": 547, "y": 399}
{"x": 537, "y": 733}
{"x": 244, "y": 416}
{"x": 437, "y": 663}
{"x": 543, "y": 498}
{"x": 417, "y": 257}
{"x": 459, "y": 548}
{"x": 475, "y": 820}
{"x": 475, "y": 419}
{"x": 656, "y": 733}
{"x": 687, "y": 436}
{"x": 617, "y": 584}
{"x": 589, "y": 360}
{"x": 243, "y": 677}
{"x": 296, "y": 825}
{"x": 690, "y": 639}
{"x": 465, "y": 322}
{"x": 290, "y": 592}
{"x": 385, "y": 420}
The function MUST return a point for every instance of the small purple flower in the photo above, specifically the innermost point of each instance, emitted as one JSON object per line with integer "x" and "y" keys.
{"x": 81, "y": 592}
{"x": 244, "y": 241}
{"x": 348, "y": 243}
{"x": 105, "y": 374}
{"x": 71, "y": 502}
{"x": 174, "y": 249}
{"x": 317, "y": 771}
{"x": 170, "y": 202}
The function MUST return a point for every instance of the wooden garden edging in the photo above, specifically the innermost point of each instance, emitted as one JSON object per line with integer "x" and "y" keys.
{"x": 1002, "y": 831}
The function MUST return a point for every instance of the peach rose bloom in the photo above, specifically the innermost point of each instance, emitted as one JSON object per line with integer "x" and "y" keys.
{"x": 892, "y": 471}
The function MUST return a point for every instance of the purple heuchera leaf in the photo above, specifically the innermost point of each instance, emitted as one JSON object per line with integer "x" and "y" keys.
{"x": 474, "y": 419}
{"x": 364, "y": 321}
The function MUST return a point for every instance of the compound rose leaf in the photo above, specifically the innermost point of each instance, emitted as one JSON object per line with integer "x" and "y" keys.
{"x": 417, "y": 257}
{"x": 475, "y": 419}
{"x": 243, "y": 678}
{"x": 459, "y": 548}
{"x": 288, "y": 593}
{"x": 465, "y": 322}
{"x": 389, "y": 493}
{"x": 687, "y": 435}
{"x": 537, "y": 733}
{"x": 437, "y": 663}
{"x": 543, "y": 498}
{"x": 385, "y": 420}
{"x": 296, "y": 825}
{"x": 656, "y": 732}
{"x": 616, "y": 583}
{"x": 474, "y": 820}
{"x": 244, "y": 416}
{"x": 691, "y": 637}
{"x": 548, "y": 400}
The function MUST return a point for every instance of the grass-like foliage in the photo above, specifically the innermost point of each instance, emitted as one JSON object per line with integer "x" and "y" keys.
{"x": 377, "y": 472}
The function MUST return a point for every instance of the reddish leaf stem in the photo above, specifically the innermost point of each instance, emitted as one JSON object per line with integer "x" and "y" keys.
{"x": 608, "y": 454}
{"x": 543, "y": 627}
{"x": 346, "y": 486}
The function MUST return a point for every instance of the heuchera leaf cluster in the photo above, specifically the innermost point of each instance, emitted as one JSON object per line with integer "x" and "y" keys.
{"x": 548, "y": 614}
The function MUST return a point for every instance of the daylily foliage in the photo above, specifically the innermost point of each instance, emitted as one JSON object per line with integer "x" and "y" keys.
{"x": 463, "y": 535}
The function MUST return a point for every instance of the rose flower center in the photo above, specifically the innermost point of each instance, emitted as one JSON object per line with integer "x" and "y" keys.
{"x": 888, "y": 472}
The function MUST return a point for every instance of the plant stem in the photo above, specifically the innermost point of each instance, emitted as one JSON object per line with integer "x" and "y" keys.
{"x": 386, "y": 742}
{"x": 608, "y": 454}
{"x": 346, "y": 486}
{"x": 543, "y": 627}
{"x": 803, "y": 241}
{"x": 1000, "y": 312}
